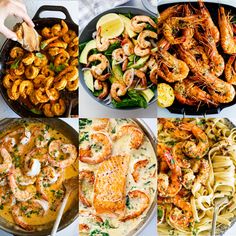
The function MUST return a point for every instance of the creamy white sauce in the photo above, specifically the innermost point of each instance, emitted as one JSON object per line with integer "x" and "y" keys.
{"x": 147, "y": 182}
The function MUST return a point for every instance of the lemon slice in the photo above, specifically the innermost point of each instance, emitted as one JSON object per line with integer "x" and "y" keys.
{"x": 111, "y": 26}
{"x": 165, "y": 94}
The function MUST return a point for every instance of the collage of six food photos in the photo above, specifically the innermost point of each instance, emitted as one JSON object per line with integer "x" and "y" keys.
{"x": 117, "y": 117}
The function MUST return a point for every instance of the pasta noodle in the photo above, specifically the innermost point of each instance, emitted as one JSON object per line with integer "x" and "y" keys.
{"x": 210, "y": 177}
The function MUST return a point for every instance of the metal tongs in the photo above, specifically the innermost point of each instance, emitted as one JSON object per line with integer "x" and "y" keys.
{"x": 218, "y": 204}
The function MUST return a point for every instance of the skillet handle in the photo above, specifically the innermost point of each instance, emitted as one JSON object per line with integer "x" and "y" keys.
{"x": 52, "y": 8}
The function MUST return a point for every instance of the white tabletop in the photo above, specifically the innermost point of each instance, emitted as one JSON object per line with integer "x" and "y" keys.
{"x": 32, "y": 7}
{"x": 91, "y": 108}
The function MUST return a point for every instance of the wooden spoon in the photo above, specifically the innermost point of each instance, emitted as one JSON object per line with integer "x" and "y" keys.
{"x": 70, "y": 185}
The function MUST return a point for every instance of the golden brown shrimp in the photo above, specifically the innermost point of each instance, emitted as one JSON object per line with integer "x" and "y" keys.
{"x": 47, "y": 33}
{"x": 129, "y": 77}
{"x": 69, "y": 36}
{"x": 70, "y": 73}
{"x": 165, "y": 188}
{"x": 7, "y": 161}
{"x": 118, "y": 90}
{"x": 139, "y": 23}
{"x": 89, "y": 176}
{"x": 61, "y": 83}
{"x": 31, "y": 72}
{"x": 26, "y": 88}
{"x": 16, "y": 52}
{"x": 174, "y": 23}
{"x": 230, "y": 70}
{"x": 47, "y": 110}
{"x": 14, "y": 92}
{"x": 100, "y": 124}
{"x": 61, "y": 58}
{"x": 141, "y": 52}
{"x": 59, "y": 108}
{"x": 101, "y": 43}
{"x": 58, "y": 44}
{"x": 188, "y": 91}
{"x": 192, "y": 149}
{"x": 181, "y": 216}
{"x": 72, "y": 85}
{"x": 20, "y": 70}
{"x": 99, "y": 85}
{"x": 28, "y": 59}
{"x": 8, "y": 80}
{"x": 138, "y": 165}
{"x": 127, "y": 45}
{"x": 208, "y": 23}
{"x": 145, "y": 200}
{"x": 179, "y": 68}
{"x": 41, "y": 61}
{"x": 228, "y": 41}
{"x": 60, "y": 29}
{"x": 73, "y": 48}
{"x": 142, "y": 38}
{"x": 135, "y": 133}
{"x": 99, "y": 141}
{"x": 179, "y": 157}
{"x": 41, "y": 95}
{"x": 154, "y": 75}
{"x": 119, "y": 55}
{"x": 45, "y": 43}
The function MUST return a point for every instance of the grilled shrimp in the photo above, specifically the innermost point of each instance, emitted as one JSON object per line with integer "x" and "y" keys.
{"x": 99, "y": 85}
{"x": 145, "y": 200}
{"x": 129, "y": 77}
{"x": 187, "y": 92}
{"x": 165, "y": 188}
{"x": 192, "y": 149}
{"x": 98, "y": 141}
{"x": 98, "y": 70}
{"x": 228, "y": 41}
{"x": 142, "y": 41}
{"x": 181, "y": 216}
{"x": 119, "y": 55}
{"x": 7, "y": 161}
{"x": 179, "y": 68}
{"x": 118, "y": 90}
{"x": 179, "y": 156}
{"x": 141, "y": 52}
{"x": 89, "y": 176}
{"x": 101, "y": 43}
{"x": 230, "y": 70}
{"x": 208, "y": 23}
{"x": 127, "y": 46}
{"x": 135, "y": 133}
{"x": 139, "y": 23}
{"x": 67, "y": 154}
{"x": 19, "y": 194}
{"x": 174, "y": 23}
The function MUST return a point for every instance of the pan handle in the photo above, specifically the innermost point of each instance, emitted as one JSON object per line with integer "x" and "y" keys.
{"x": 52, "y": 8}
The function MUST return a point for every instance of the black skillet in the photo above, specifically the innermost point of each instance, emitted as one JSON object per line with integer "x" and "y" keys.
{"x": 40, "y": 23}
{"x": 178, "y": 108}
{"x": 71, "y": 214}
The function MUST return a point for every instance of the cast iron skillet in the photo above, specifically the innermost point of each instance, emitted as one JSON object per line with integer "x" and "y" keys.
{"x": 72, "y": 213}
{"x": 86, "y": 35}
{"x": 178, "y": 108}
{"x": 40, "y": 23}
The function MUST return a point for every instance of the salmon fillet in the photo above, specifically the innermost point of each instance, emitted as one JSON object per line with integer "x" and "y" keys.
{"x": 110, "y": 185}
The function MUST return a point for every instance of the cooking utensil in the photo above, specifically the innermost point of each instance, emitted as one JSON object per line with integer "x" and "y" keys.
{"x": 72, "y": 213}
{"x": 86, "y": 35}
{"x": 40, "y": 23}
{"x": 70, "y": 185}
{"x": 178, "y": 108}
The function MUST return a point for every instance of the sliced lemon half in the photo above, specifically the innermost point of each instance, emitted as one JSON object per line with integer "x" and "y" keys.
{"x": 111, "y": 25}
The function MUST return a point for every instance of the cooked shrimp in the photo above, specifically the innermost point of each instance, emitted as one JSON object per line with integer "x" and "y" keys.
{"x": 139, "y": 23}
{"x": 8, "y": 80}
{"x": 47, "y": 177}
{"x": 61, "y": 58}
{"x": 72, "y": 85}
{"x": 141, "y": 52}
{"x": 135, "y": 133}
{"x": 179, "y": 68}
{"x": 66, "y": 153}
{"x": 7, "y": 161}
{"x": 41, "y": 95}
{"x": 100, "y": 124}
{"x": 99, "y": 85}
{"x": 138, "y": 165}
{"x": 98, "y": 70}
{"x": 129, "y": 77}
{"x": 180, "y": 216}
{"x": 89, "y": 176}
{"x": 127, "y": 46}
{"x": 230, "y": 70}
{"x": 154, "y": 75}
{"x": 142, "y": 38}
{"x": 173, "y": 24}
{"x": 22, "y": 179}
{"x": 145, "y": 200}
{"x": 101, "y": 43}
{"x": 26, "y": 88}
{"x": 118, "y": 90}
{"x": 28, "y": 59}
{"x": 19, "y": 194}
{"x": 59, "y": 108}
{"x": 192, "y": 149}
{"x": 16, "y": 52}
{"x": 98, "y": 141}
{"x": 179, "y": 156}
{"x": 202, "y": 177}
{"x": 41, "y": 61}
{"x": 69, "y": 36}
{"x": 70, "y": 73}
{"x": 119, "y": 55}
{"x": 47, "y": 110}
{"x": 47, "y": 32}
{"x": 31, "y": 72}
{"x": 45, "y": 43}
{"x": 165, "y": 188}
{"x": 228, "y": 41}
{"x": 208, "y": 23}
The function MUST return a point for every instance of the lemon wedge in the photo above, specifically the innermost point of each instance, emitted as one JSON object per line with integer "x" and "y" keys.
{"x": 165, "y": 95}
{"x": 111, "y": 26}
